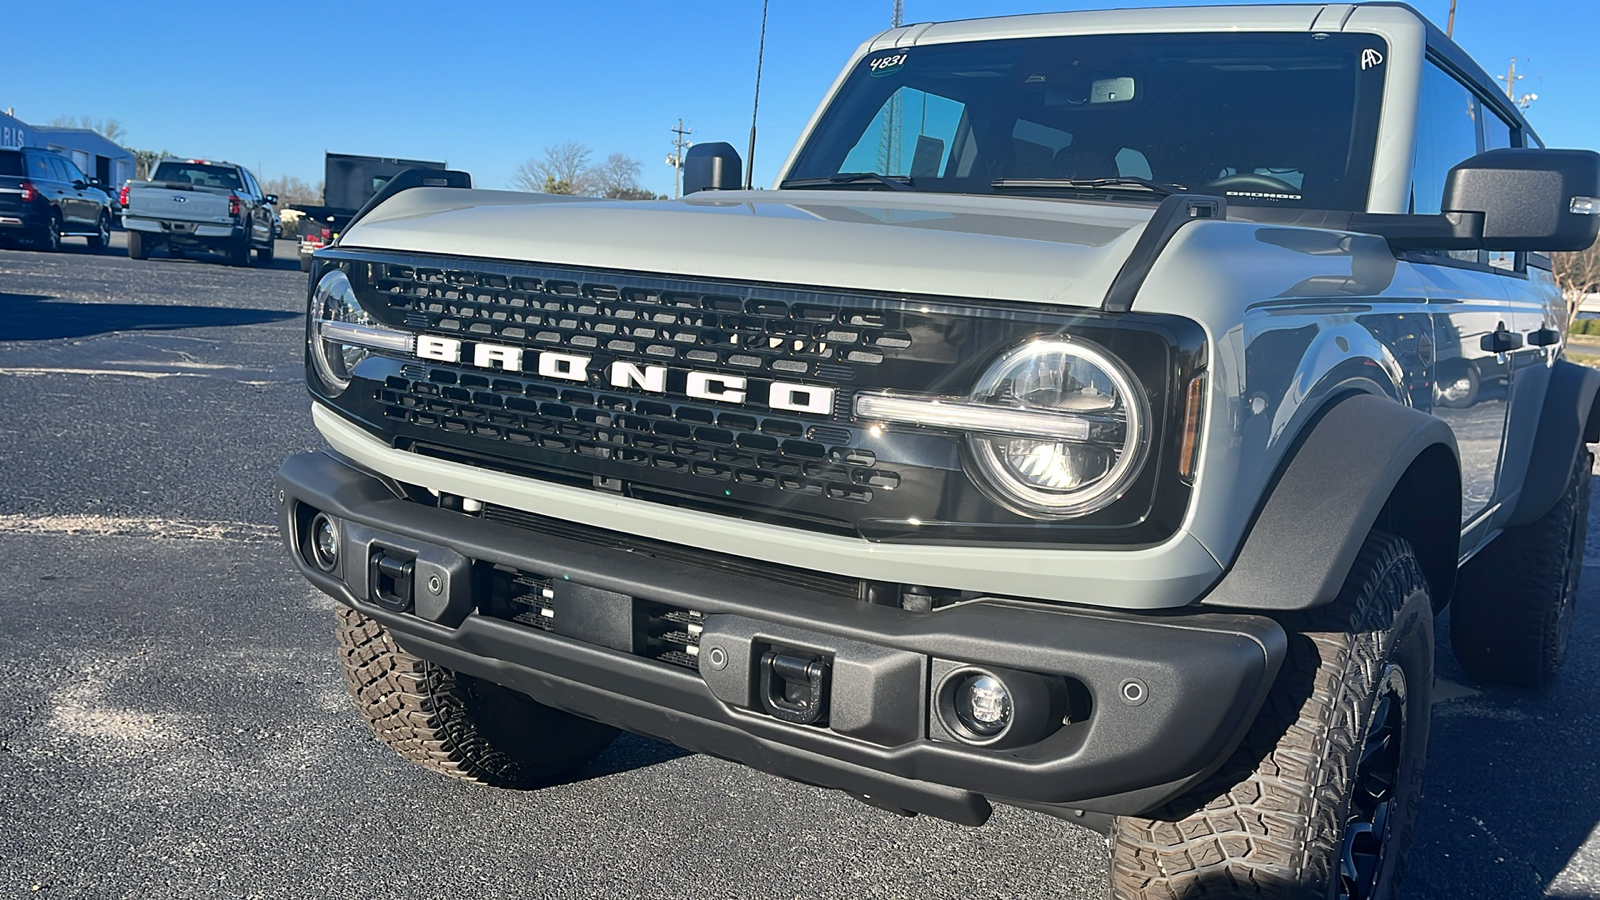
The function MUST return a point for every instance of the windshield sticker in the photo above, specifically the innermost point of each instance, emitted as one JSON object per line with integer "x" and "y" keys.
{"x": 885, "y": 65}
{"x": 1370, "y": 58}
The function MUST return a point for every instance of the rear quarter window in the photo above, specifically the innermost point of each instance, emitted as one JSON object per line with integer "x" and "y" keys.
{"x": 10, "y": 163}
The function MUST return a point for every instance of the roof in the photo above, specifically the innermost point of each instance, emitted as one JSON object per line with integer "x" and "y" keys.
{"x": 80, "y": 139}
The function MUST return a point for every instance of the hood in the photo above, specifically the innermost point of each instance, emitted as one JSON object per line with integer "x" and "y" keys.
{"x": 990, "y": 248}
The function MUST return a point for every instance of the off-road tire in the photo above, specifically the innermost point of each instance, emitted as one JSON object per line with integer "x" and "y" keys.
{"x": 102, "y": 236}
{"x": 136, "y": 246}
{"x": 454, "y": 724}
{"x": 1513, "y": 607}
{"x": 1272, "y": 822}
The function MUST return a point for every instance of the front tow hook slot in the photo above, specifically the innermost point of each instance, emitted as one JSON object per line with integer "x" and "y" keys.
{"x": 794, "y": 686}
{"x": 390, "y": 579}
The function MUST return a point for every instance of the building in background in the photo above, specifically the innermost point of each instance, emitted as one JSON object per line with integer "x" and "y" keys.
{"x": 95, "y": 155}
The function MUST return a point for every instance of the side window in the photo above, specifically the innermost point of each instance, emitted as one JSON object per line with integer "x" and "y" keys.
{"x": 911, "y": 135}
{"x": 39, "y": 167}
{"x": 250, "y": 183}
{"x": 1498, "y": 134}
{"x": 72, "y": 172}
{"x": 1447, "y": 133}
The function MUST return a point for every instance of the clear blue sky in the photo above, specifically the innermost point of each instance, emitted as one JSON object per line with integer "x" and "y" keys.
{"x": 486, "y": 85}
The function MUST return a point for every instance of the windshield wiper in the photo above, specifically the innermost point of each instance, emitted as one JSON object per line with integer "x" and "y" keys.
{"x": 848, "y": 179}
{"x": 1124, "y": 183}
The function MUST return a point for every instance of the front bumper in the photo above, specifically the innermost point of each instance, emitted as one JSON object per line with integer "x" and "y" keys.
{"x": 1201, "y": 677}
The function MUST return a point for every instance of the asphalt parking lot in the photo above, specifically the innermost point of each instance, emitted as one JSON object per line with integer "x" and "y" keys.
{"x": 172, "y": 723}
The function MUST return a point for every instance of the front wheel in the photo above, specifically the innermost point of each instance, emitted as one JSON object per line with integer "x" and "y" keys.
{"x": 454, "y": 724}
{"x": 102, "y": 236}
{"x": 1320, "y": 800}
{"x": 264, "y": 254}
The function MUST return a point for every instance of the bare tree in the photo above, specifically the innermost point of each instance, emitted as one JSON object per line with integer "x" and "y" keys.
{"x": 564, "y": 169}
{"x": 110, "y": 129}
{"x": 618, "y": 177}
{"x": 144, "y": 162}
{"x": 293, "y": 191}
{"x": 1578, "y": 273}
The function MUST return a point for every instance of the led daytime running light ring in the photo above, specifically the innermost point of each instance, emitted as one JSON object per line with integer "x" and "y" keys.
{"x": 1037, "y": 503}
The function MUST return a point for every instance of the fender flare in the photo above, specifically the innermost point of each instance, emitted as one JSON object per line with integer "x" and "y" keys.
{"x": 1334, "y": 490}
{"x": 1567, "y": 422}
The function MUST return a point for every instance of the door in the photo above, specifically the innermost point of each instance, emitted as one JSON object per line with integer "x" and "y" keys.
{"x": 1476, "y": 321}
{"x": 47, "y": 180}
{"x": 82, "y": 201}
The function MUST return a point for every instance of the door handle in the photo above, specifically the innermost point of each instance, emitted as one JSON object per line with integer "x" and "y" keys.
{"x": 1501, "y": 341}
{"x": 1544, "y": 337}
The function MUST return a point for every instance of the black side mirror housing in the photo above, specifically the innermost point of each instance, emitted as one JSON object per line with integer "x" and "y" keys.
{"x": 1531, "y": 199}
{"x": 272, "y": 199}
{"x": 1513, "y": 199}
{"x": 711, "y": 167}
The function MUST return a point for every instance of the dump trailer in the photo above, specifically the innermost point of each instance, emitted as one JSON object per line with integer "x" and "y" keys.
{"x": 348, "y": 182}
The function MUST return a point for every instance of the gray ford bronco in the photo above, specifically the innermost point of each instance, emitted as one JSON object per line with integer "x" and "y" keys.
{"x": 1093, "y": 419}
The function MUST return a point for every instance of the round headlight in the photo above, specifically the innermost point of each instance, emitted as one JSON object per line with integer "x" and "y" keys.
{"x": 1103, "y": 418}
{"x": 335, "y": 301}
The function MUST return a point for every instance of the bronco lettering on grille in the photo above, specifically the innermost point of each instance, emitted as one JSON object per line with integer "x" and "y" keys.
{"x": 804, "y": 398}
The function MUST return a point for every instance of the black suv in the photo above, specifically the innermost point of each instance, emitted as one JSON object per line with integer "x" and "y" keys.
{"x": 45, "y": 197}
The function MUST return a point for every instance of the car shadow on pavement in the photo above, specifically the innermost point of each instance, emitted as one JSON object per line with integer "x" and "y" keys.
{"x": 628, "y": 752}
{"x": 38, "y": 317}
{"x": 1513, "y": 785}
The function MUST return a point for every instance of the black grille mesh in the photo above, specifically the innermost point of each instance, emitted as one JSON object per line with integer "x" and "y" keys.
{"x": 780, "y": 338}
{"x": 681, "y": 438}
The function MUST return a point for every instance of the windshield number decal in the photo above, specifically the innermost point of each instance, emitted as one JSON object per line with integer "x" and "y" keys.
{"x": 884, "y": 65}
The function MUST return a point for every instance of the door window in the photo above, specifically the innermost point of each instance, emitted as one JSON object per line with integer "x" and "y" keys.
{"x": 1447, "y": 133}
{"x": 71, "y": 170}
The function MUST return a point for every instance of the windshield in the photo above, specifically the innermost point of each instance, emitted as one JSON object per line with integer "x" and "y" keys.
{"x": 198, "y": 174}
{"x": 1266, "y": 119}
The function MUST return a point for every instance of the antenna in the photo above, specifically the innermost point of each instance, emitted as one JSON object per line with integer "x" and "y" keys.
{"x": 755, "y": 107}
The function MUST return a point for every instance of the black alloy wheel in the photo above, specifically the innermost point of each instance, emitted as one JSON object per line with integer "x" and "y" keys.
{"x": 51, "y": 238}
{"x": 1370, "y": 822}
{"x": 101, "y": 239}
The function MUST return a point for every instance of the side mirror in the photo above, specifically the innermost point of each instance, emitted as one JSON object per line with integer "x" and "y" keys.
{"x": 711, "y": 167}
{"x": 1530, "y": 199}
{"x": 94, "y": 182}
{"x": 271, "y": 198}
{"x": 79, "y": 184}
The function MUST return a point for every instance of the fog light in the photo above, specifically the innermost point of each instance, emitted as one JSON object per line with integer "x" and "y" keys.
{"x": 325, "y": 542}
{"x": 983, "y": 705}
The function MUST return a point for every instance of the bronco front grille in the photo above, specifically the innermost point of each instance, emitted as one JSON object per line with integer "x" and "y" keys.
{"x": 814, "y": 468}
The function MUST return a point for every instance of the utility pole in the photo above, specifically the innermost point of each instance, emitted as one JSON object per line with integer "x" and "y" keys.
{"x": 1450, "y": 23}
{"x": 1511, "y": 78}
{"x": 680, "y": 143}
{"x": 889, "y": 143}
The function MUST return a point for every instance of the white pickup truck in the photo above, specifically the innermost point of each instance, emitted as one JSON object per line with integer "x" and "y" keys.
{"x": 197, "y": 204}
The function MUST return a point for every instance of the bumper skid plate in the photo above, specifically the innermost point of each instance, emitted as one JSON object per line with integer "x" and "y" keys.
{"x": 1106, "y": 712}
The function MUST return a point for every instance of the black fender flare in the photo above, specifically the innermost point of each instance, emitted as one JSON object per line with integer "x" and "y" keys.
{"x": 1366, "y": 462}
{"x": 1567, "y": 422}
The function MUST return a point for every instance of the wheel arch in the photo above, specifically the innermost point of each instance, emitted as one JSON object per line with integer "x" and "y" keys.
{"x": 1569, "y": 419}
{"x": 1364, "y": 462}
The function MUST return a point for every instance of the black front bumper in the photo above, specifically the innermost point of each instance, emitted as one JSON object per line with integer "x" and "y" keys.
{"x": 1199, "y": 678}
